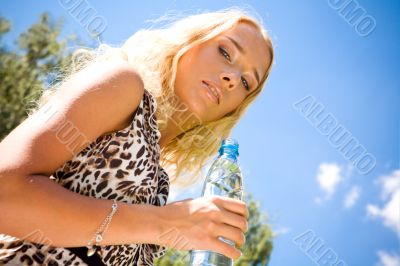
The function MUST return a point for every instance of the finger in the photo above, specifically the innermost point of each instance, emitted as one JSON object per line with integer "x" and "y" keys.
{"x": 234, "y": 219}
{"x": 231, "y": 233}
{"x": 233, "y": 205}
{"x": 224, "y": 249}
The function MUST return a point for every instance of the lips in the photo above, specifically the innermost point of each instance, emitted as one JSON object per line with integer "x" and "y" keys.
{"x": 213, "y": 91}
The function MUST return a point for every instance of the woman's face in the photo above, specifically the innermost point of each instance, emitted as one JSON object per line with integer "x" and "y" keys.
{"x": 229, "y": 65}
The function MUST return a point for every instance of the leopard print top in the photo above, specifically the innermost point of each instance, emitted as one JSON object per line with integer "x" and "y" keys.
{"x": 122, "y": 165}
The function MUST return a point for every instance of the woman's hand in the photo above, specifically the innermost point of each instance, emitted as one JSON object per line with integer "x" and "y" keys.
{"x": 197, "y": 223}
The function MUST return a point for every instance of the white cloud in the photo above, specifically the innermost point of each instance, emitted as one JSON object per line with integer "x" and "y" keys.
{"x": 352, "y": 197}
{"x": 390, "y": 195}
{"x": 328, "y": 178}
{"x": 386, "y": 259}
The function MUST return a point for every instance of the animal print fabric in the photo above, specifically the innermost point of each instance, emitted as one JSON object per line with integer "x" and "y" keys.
{"x": 122, "y": 165}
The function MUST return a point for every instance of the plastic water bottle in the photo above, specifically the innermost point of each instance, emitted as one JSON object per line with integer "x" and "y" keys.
{"x": 224, "y": 178}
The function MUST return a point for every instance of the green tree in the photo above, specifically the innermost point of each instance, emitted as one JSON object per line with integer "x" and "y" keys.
{"x": 256, "y": 251}
{"x": 26, "y": 69}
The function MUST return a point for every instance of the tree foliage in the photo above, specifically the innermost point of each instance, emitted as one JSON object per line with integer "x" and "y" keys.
{"x": 28, "y": 67}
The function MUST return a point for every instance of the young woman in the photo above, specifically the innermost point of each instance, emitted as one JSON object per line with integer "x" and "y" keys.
{"x": 82, "y": 181}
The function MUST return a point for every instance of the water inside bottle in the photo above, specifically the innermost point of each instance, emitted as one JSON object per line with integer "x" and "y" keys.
{"x": 224, "y": 179}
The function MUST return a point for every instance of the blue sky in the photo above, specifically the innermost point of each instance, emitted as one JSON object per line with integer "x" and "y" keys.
{"x": 310, "y": 190}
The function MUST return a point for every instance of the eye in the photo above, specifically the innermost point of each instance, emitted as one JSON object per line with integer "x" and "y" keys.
{"x": 245, "y": 84}
{"x": 228, "y": 57}
{"x": 224, "y": 53}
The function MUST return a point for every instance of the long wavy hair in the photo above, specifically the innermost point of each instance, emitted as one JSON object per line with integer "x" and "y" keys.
{"x": 154, "y": 53}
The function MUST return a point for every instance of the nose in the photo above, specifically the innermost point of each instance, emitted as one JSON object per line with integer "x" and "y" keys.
{"x": 229, "y": 80}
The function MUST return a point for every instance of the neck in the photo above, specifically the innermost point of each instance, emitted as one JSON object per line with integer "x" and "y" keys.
{"x": 178, "y": 123}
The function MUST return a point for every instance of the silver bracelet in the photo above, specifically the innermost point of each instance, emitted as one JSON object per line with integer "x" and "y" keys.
{"x": 98, "y": 236}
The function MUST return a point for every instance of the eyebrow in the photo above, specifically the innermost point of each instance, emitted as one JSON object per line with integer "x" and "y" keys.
{"x": 240, "y": 48}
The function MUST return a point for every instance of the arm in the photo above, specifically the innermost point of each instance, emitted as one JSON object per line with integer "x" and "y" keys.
{"x": 96, "y": 100}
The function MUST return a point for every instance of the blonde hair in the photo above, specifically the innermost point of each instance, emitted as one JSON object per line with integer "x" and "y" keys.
{"x": 154, "y": 53}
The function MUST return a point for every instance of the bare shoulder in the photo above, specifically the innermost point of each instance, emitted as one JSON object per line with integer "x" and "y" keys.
{"x": 111, "y": 90}
{"x": 96, "y": 100}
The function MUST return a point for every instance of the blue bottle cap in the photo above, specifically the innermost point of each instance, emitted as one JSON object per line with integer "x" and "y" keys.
{"x": 229, "y": 145}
